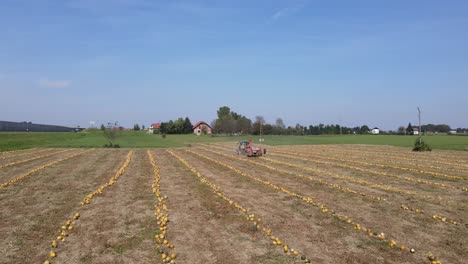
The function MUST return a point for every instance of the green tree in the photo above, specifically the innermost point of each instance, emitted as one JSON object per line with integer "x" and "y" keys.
{"x": 162, "y": 128}
{"x": 279, "y": 127}
{"x": 364, "y": 129}
{"x": 257, "y": 126}
{"x": 187, "y": 126}
{"x": 267, "y": 129}
{"x": 103, "y": 127}
{"x": 229, "y": 122}
{"x": 299, "y": 129}
{"x": 178, "y": 126}
{"x": 409, "y": 129}
{"x": 224, "y": 113}
{"x": 136, "y": 127}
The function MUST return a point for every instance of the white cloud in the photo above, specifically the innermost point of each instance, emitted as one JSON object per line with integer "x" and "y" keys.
{"x": 281, "y": 13}
{"x": 54, "y": 83}
{"x": 289, "y": 11}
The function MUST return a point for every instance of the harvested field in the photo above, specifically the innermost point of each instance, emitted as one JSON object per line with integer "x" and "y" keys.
{"x": 206, "y": 204}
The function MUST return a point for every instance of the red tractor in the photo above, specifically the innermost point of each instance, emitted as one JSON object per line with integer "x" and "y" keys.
{"x": 246, "y": 148}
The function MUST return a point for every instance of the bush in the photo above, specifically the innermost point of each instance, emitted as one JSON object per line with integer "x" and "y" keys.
{"x": 420, "y": 145}
{"x": 110, "y": 145}
{"x": 163, "y": 135}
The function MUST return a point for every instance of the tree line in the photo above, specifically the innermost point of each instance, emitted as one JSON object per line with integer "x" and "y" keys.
{"x": 428, "y": 128}
{"x": 179, "y": 126}
{"x": 232, "y": 123}
{"x": 229, "y": 122}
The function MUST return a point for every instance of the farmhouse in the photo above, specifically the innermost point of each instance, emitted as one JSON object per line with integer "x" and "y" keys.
{"x": 154, "y": 128}
{"x": 375, "y": 131}
{"x": 202, "y": 127}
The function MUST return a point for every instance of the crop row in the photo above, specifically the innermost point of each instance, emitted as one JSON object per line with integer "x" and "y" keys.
{"x": 2, "y": 153}
{"x": 32, "y": 151}
{"x": 31, "y": 159}
{"x": 164, "y": 247}
{"x": 21, "y": 177}
{"x": 256, "y": 221}
{"x": 65, "y": 229}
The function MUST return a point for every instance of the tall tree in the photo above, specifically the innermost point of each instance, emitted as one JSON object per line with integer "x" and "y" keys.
{"x": 230, "y": 122}
{"x": 279, "y": 127}
{"x": 187, "y": 126}
{"x": 280, "y": 123}
{"x": 364, "y": 129}
{"x": 224, "y": 112}
{"x": 258, "y": 125}
{"x": 409, "y": 129}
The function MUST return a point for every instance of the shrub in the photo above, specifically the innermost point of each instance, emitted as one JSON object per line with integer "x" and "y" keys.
{"x": 420, "y": 145}
{"x": 110, "y": 145}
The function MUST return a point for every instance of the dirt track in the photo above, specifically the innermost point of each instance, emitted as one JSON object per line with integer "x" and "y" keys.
{"x": 119, "y": 225}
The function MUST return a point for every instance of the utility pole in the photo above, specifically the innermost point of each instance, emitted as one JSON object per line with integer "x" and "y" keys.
{"x": 261, "y": 131}
{"x": 419, "y": 128}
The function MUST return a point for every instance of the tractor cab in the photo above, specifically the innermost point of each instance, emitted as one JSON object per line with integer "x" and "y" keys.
{"x": 246, "y": 148}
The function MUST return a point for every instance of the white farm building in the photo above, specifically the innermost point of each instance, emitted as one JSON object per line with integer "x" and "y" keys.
{"x": 375, "y": 131}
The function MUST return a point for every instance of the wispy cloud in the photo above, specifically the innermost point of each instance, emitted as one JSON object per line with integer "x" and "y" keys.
{"x": 289, "y": 10}
{"x": 281, "y": 13}
{"x": 44, "y": 82}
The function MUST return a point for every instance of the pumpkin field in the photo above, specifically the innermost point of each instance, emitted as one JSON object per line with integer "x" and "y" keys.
{"x": 205, "y": 204}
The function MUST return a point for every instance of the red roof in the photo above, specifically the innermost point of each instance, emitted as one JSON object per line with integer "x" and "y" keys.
{"x": 200, "y": 123}
{"x": 155, "y": 125}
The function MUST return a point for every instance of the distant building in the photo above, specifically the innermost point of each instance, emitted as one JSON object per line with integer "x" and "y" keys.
{"x": 154, "y": 128}
{"x": 202, "y": 127}
{"x": 375, "y": 131}
{"x": 32, "y": 127}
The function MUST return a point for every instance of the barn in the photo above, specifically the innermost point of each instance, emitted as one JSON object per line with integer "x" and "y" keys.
{"x": 202, "y": 127}
{"x": 154, "y": 128}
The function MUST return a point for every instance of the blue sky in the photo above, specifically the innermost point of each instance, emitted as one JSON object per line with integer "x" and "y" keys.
{"x": 309, "y": 62}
